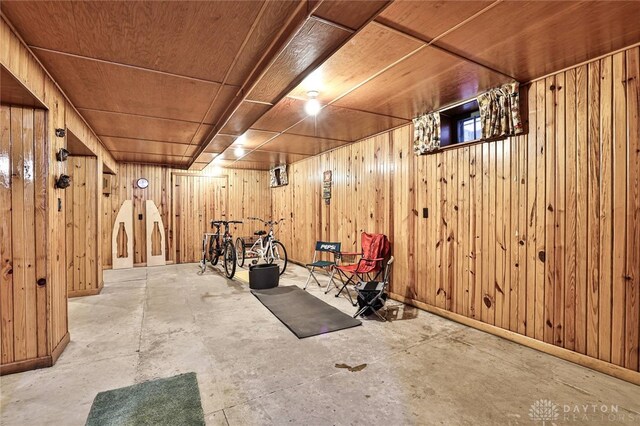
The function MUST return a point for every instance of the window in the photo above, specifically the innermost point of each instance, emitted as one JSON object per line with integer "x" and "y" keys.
{"x": 469, "y": 129}
{"x": 460, "y": 124}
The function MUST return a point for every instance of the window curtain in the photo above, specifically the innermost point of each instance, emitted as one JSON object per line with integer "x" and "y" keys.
{"x": 426, "y": 133}
{"x": 279, "y": 176}
{"x": 500, "y": 111}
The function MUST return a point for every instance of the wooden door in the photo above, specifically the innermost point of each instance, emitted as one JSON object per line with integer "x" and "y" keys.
{"x": 198, "y": 201}
{"x": 23, "y": 236}
{"x": 81, "y": 205}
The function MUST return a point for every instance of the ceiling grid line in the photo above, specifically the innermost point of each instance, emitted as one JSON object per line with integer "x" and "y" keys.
{"x": 423, "y": 43}
{"x": 228, "y": 72}
{"x": 312, "y": 66}
{"x": 208, "y": 138}
{"x": 120, "y": 64}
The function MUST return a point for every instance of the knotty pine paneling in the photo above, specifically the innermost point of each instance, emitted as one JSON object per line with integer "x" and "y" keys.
{"x": 247, "y": 192}
{"x": 81, "y": 203}
{"x": 24, "y": 294}
{"x": 52, "y": 265}
{"x": 537, "y": 234}
{"x": 197, "y": 201}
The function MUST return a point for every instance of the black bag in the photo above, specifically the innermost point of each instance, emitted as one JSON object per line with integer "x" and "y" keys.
{"x": 366, "y": 295}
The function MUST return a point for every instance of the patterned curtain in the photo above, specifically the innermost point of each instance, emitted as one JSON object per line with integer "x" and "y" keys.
{"x": 426, "y": 133}
{"x": 500, "y": 111}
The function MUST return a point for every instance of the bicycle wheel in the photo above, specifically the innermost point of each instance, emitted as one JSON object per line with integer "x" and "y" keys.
{"x": 229, "y": 259}
{"x": 278, "y": 256}
{"x": 240, "y": 253}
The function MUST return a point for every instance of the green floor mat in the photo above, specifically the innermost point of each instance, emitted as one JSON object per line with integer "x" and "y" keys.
{"x": 171, "y": 401}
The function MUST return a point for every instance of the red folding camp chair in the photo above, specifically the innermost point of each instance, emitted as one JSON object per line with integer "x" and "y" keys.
{"x": 375, "y": 249}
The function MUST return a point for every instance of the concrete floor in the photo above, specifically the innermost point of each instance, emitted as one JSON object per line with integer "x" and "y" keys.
{"x": 420, "y": 369}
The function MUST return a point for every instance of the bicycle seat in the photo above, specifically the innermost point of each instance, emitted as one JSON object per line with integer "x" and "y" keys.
{"x": 260, "y": 233}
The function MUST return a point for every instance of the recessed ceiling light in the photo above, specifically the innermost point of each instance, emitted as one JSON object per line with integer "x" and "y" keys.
{"x": 239, "y": 151}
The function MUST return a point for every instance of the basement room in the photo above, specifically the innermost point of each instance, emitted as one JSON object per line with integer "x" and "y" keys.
{"x": 319, "y": 212}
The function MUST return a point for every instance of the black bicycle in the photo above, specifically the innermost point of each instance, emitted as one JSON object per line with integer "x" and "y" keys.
{"x": 216, "y": 244}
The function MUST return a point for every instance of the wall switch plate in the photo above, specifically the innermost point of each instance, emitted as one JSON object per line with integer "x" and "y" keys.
{"x": 425, "y": 212}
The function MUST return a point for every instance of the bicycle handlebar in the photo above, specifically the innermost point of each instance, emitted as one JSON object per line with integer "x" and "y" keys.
{"x": 266, "y": 222}
{"x": 222, "y": 222}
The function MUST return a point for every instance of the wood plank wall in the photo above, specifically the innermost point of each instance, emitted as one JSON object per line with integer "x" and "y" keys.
{"x": 537, "y": 234}
{"x": 23, "y": 239}
{"x": 83, "y": 276}
{"x": 197, "y": 201}
{"x": 19, "y": 61}
{"x": 251, "y": 197}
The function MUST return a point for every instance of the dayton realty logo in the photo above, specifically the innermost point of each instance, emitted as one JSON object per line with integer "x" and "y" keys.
{"x": 544, "y": 410}
{"x": 547, "y": 412}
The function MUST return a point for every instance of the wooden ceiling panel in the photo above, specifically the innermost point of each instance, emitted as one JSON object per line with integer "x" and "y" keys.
{"x": 351, "y": 14}
{"x": 272, "y": 158}
{"x": 145, "y": 146}
{"x": 222, "y": 101}
{"x": 429, "y": 19}
{"x": 345, "y": 124}
{"x": 424, "y": 82}
{"x": 12, "y": 92}
{"x": 246, "y": 114}
{"x": 107, "y": 87}
{"x": 253, "y": 139}
{"x": 367, "y": 53}
{"x": 230, "y": 155}
{"x": 252, "y": 165}
{"x": 206, "y": 157}
{"x": 296, "y": 144}
{"x": 536, "y": 38}
{"x": 315, "y": 41}
{"x": 138, "y": 127}
{"x": 202, "y": 132}
{"x": 220, "y": 143}
{"x": 274, "y": 15}
{"x": 282, "y": 115}
{"x": 166, "y": 36}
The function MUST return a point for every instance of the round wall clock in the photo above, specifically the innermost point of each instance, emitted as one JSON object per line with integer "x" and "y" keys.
{"x": 142, "y": 183}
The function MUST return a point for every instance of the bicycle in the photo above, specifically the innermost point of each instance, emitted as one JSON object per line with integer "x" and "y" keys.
{"x": 215, "y": 245}
{"x": 266, "y": 248}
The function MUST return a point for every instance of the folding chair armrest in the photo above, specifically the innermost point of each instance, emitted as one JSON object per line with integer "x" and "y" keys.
{"x": 351, "y": 253}
{"x": 372, "y": 260}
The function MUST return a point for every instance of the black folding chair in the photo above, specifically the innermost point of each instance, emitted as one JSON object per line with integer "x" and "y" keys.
{"x": 323, "y": 247}
{"x": 372, "y": 295}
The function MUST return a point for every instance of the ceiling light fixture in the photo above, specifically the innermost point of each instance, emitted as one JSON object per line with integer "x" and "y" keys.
{"x": 312, "y": 107}
{"x": 239, "y": 151}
